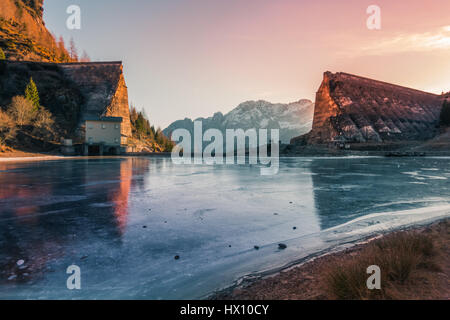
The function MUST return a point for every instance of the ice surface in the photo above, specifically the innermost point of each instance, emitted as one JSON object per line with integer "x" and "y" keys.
{"x": 123, "y": 220}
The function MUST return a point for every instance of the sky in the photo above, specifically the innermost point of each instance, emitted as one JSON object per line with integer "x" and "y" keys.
{"x": 192, "y": 58}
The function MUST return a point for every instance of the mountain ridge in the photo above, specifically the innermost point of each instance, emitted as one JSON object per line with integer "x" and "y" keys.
{"x": 290, "y": 118}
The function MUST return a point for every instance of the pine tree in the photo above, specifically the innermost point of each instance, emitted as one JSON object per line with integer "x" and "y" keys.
{"x": 133, "y": 114}
{"x": 140, "y": 124}
{"x": 61, "y": 44}
{"x": 73, "y": 52}
{"x": 32, "y": 94}
{"x": 2, "y": 55}
{"x": 62, "y": 50}
{"x": 85, "y": 57}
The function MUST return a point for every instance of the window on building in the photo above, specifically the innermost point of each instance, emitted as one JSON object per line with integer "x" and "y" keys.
{"x": 116, "y": 140}
{"x": 90, "y": 139}
{"x": 103, "y": 126}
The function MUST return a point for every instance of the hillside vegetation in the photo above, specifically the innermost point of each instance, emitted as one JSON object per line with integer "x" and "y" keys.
{"x": 145, "y": 137}
{"x": 27, "y": 125}
{"x": 23, "y": 35}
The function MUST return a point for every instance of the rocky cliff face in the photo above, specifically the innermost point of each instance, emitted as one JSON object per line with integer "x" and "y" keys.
{"x": 71, "y": 91}
{"x": 23, "y": 35}
{"x": 291, "y": 119}
{"x": 356, "y": 109}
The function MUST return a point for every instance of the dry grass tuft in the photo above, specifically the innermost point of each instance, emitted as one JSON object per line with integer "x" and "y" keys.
{"x": 398, "y": 255}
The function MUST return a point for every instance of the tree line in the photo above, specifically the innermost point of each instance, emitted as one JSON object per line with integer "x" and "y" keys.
{"x": 144, "y": 131}
{"x": 61, "y": 53}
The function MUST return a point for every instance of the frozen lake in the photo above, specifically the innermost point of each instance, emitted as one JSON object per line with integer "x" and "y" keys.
{"x": 123, "y": 220}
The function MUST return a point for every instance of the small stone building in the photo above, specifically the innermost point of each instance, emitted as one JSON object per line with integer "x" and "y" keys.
{"x": 103, "y": 136}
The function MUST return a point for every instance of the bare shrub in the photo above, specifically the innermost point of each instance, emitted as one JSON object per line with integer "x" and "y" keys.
{"x": 22, "y": 110}
{"x": 8, "y": 128}
{"x": 44, "y": 125}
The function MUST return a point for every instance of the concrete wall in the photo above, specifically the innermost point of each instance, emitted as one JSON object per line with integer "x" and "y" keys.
{"x": 105, "y": 132}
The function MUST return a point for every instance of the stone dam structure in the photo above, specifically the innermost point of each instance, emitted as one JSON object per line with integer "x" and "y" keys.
{"x": 103, "y": 87}
{"x": 354, "y": 109}
{"x": 73, "y": 92}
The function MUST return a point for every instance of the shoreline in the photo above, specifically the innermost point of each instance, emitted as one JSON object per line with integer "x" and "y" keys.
{"x": 49, "y": 157}
{"x": 304, "y": 280}
{"x": 20, "y": 155}
{"x": 25, "y": 157}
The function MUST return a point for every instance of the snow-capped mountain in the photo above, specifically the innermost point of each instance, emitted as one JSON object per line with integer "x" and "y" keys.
{"x": 293, "y": 119}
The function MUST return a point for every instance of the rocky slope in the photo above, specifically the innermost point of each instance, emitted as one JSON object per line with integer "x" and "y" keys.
{"x": 23, "y": 35}
{"x": 291, "y": 119}
{"x": 350, "y": 108}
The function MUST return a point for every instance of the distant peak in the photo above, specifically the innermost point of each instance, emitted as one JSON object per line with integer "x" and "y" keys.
{"x": 303, "y": 101}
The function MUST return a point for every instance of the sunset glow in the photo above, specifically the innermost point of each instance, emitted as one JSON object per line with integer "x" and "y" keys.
{"x": 192, "y": 58}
